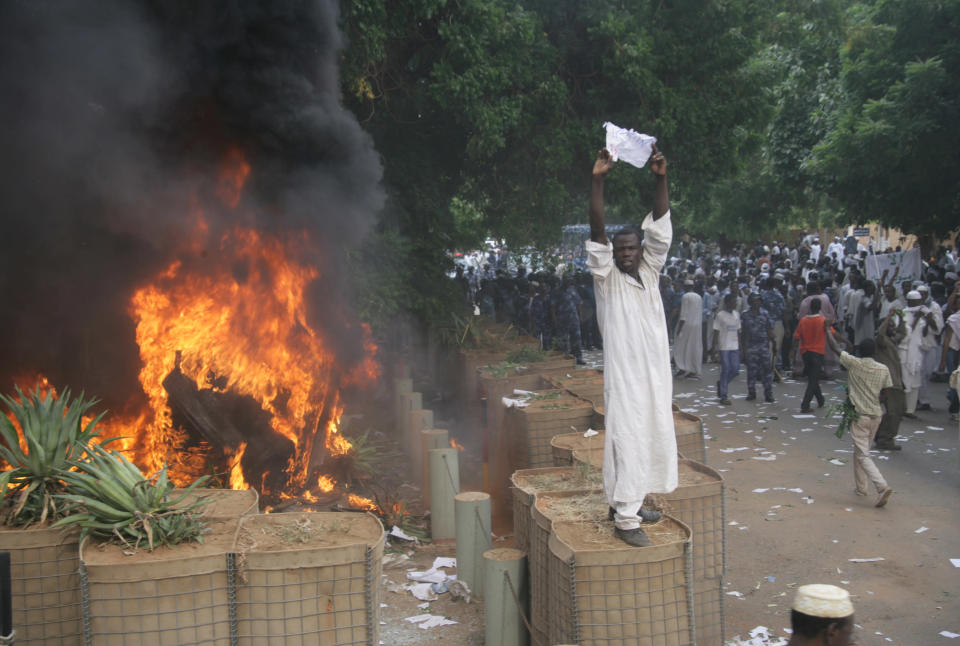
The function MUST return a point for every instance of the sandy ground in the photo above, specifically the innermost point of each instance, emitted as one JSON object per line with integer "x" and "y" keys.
{"x": 792, "y": 518}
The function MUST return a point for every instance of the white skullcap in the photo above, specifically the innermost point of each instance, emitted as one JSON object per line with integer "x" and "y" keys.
{"x": 913, "y": 295}
{"x": 923, "y": 288}
{"x": 822, "y": 600}
{"x": 688, "y": 283}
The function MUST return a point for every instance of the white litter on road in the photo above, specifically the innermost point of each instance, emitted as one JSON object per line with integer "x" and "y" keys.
{"x": 870, "y": 560}
{"x": 921, "y": 530}
{"x": 430, "y": 621}
{"x": 399, "y": 533}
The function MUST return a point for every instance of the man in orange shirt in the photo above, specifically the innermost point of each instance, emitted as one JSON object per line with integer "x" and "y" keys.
{"x": 811, "y": 332}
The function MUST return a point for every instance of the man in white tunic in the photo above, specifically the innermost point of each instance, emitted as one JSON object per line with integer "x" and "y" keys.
{"x": 688, "y": 348}
{"x": 640, "y": 450}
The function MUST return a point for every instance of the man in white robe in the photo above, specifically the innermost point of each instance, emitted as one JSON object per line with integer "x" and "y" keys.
{"x": 640, "y": 450}
{"x": 688, "y": 347}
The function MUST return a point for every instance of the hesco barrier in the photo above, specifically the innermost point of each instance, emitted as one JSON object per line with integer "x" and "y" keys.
{"x": 172, "y": 595}
{"x": 698, "y": 502}
{"x": 528, "y": 483}
{"x": 689, "y": 432}
{"x": 309, "y": 578}
{"x": 562, "y": 446}
{"x": 586, "y": 384}
{"x": 708, "y": 611}
{"x": 45, "y": 585}
{"x": 605, "y": 592}
{"x": 537, "y": 423}
{"x": 548, "y": 508}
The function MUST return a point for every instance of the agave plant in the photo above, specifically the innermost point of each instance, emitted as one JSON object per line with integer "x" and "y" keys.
{"x": 109, "y": 497}
{"x": 53, "y": 436}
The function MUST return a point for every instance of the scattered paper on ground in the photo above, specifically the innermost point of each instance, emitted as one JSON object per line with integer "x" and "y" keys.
{"x": 870, "y": 560}
{"x": 430, "y": 621}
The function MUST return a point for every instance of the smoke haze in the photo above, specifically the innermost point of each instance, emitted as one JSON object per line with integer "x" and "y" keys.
{"x": 118, "y": 117}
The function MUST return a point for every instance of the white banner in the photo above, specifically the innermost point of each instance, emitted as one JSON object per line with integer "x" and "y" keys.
{"x": 908, "y": 261}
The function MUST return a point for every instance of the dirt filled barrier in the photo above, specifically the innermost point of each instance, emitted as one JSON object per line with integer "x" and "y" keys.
{"x": 548, "y": 508}
{"x": 690, "y": 443}
{"x": 708, "y": 611}
{"x": 45, "y": 585}
{"x": 309, "y": 578}
{"x": 698, "y": 502}
{"x": 605, "y": 592}
{"x": 534, "y": 426}
{"x": 528, "y": 483}
{"x": 689, "y": 432}
{"x": 586, "y": 384}
{"x": 172, "y": 595}
{"x": 562, "y": 446}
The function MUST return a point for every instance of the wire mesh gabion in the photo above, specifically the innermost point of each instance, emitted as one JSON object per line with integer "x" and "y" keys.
{"x": 607, "y": 593}
{"x": 45, "y": 585}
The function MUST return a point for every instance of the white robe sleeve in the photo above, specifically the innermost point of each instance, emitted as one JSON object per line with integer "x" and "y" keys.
{"x": 599, "y": 258}
{"x": 657, "y": 236}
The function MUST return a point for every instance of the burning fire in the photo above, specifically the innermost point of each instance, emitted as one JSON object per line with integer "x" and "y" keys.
{"x": 456, "y": 445}
{"x": 231, "y": 316}
{"x": 359, "y": 502}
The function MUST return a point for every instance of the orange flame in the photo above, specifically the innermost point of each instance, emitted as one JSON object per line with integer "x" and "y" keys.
{"x": 456, "y": 445}
{"x": 359, "y": 502}
{"x": 326, "y": 484}
{"x": 232, "y": 314}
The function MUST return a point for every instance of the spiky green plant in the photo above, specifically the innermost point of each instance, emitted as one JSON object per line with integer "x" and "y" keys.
{"x": 53, "y": 436}
{"x": 109, "y": 497}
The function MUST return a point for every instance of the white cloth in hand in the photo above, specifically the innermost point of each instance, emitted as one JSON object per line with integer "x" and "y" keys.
{"x": 629, "y": 145}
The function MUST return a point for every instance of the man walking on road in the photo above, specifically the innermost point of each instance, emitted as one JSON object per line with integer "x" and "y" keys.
{"x": 868, "y": 381}
{"x": 640, "y": 450}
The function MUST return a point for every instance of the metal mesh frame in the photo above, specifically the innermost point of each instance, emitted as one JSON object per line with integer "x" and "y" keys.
{"x": 648, "y": 603}
{"x": 521, "y": 521}
{"x": 45, "y": 589}
{"x": 181, "y": 610}
{"x": 538, "y": 433}
{"x": 539, "y": 551}
{"x": 691, "y": 442}
{"x": 328, "y": 605}
{"x": 701, "y": 507}
{"x": 708, "y": 611}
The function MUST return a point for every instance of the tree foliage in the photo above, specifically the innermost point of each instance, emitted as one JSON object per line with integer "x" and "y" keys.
{"x": 890, "y": 154}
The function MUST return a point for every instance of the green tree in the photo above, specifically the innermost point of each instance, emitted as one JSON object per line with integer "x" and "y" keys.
{"x": 890, "y": 153}
{"x": 488, "y": 113}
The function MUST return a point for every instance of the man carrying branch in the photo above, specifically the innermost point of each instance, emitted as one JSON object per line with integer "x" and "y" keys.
{"x": 640, "y": 451}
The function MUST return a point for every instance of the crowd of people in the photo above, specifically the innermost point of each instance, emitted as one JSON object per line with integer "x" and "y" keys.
{"x": 769, "y": 306}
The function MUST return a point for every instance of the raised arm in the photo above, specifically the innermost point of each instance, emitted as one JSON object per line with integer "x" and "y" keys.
{"x": 661, "y": 200}
{"x": 598, "y": 231}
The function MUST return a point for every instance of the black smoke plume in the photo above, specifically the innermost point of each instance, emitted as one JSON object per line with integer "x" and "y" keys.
{"x": 116, "y": 114}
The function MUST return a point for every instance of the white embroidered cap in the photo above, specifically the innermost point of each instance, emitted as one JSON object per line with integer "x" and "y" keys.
{"x": 913, "y": 295}
{"x": 823, "y": 600}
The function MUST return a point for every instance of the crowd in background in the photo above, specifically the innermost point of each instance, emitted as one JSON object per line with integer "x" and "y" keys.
{"x": 768, "y": 288}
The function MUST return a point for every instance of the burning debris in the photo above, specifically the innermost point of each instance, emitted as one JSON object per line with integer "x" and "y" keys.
{"x": 180, "y": 186}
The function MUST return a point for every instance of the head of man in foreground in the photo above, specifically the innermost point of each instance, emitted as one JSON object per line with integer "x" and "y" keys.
{"x": 822, "y": 615}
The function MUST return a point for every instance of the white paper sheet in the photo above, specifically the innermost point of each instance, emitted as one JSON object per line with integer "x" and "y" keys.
{"x": 629, "y": 145}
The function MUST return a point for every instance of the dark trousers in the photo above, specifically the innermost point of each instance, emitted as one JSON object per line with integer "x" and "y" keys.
{"x": 896, "y": 405}
{"x": 812, "y": 368}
